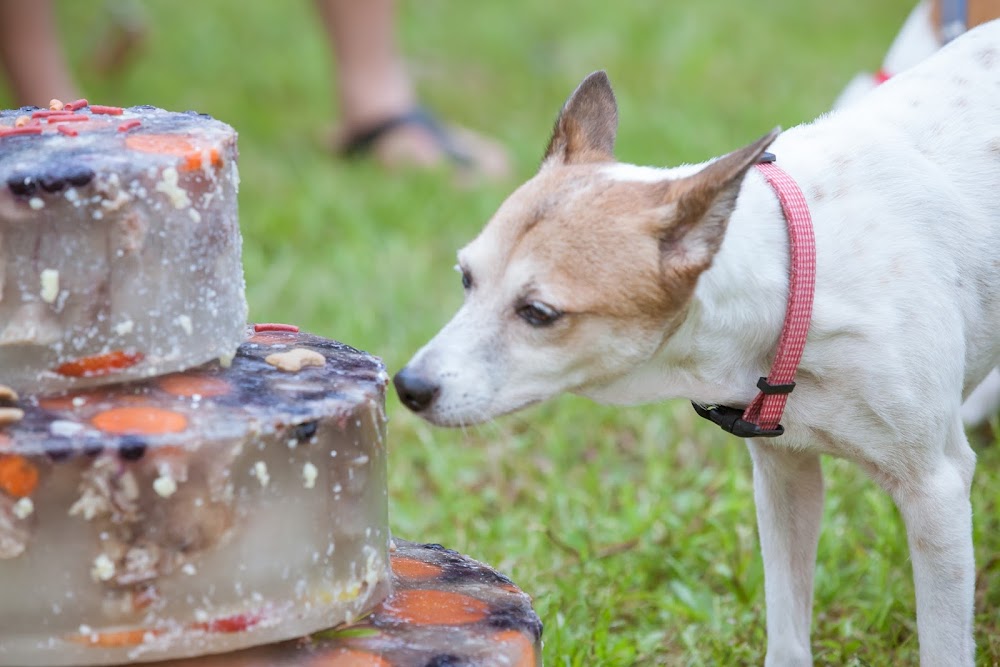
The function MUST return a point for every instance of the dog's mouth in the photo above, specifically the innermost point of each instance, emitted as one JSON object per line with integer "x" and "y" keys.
{"x": 457, "y": 418}
{"x": 434, "y": 403}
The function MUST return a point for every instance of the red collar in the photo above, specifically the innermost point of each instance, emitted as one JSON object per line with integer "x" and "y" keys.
{"x": 761, "y": 418}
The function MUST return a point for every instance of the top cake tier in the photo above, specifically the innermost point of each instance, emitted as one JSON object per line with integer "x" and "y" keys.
{"x": 119, "y": 245}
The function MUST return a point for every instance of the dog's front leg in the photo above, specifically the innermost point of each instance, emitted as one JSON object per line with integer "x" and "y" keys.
{"x": 938, "y": 515}
{"x": 788, "y": 490}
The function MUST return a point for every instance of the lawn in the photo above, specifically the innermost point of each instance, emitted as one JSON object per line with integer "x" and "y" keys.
{"x": 632, "y": 528}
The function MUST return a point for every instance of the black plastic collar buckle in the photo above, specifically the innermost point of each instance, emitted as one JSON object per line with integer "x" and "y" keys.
{"x": 731, "y": 420}
{"x": 766, "y": 157}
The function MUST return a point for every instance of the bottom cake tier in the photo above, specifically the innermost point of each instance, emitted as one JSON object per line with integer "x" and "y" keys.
{"x": 446, "y": 610}
{"x": 195, "y": 513}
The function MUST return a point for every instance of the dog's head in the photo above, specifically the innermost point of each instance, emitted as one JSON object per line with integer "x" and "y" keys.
{"x": 579, "y": 278}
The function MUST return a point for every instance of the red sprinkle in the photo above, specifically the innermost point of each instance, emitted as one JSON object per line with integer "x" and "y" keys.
{"x": 229, "y": 624}
{"x": 108, "y": 111}
{"x": 73, "y": 106}
{"x": 27, "y": 129}
{"x": 42, "y": 113}
{"x": 274, "y": 326}
{"x": 67, "y": 118}
{"x": 67, "y": 130}
{"x": 129, "y": 124}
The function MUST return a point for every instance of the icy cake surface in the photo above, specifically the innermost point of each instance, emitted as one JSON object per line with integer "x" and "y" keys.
{"x": 196, "y": 512}
{"x": 446, "y": 610}
{"x": 120, "y": 250}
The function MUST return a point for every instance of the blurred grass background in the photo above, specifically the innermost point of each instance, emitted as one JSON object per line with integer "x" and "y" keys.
{"x": 632, "y": 528}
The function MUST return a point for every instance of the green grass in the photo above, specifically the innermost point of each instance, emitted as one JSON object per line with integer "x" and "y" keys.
{"x": 632, "y": 528}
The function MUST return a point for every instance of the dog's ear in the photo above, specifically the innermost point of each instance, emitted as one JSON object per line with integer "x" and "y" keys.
{"x": 586, "y": 128}
{"x": 700, "y": 206}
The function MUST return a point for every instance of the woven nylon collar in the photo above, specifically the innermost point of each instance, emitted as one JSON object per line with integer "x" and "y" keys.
{"x": 761, "y": 418}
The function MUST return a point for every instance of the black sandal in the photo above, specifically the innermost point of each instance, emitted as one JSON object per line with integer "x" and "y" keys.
{"x": 361, "y": 142}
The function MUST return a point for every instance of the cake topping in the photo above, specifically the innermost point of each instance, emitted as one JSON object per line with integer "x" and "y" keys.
{"x": 10, "y": 415}
{"x": 18, "y": 476}
{"x": 165, "y": 486}
{"x": 103, "y": 569}
{"x": 24, "y": 508}
{"x": 295, "y": 360}
{"x": 50, "y": 285}
{"x": 260, "y": 472}
{"x": 309, "y": 474}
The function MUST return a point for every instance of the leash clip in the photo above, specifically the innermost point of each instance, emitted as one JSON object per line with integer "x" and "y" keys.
{"x": 731, "y": 420}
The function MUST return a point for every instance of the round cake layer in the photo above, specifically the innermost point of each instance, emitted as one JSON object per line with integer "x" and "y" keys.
{"x": 197, "y": 512}
{"x": 119, "y": 245}
{"x": 446, "y": 609}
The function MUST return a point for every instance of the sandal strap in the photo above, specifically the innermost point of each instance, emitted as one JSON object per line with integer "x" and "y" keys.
{"x": 362, "y": 142}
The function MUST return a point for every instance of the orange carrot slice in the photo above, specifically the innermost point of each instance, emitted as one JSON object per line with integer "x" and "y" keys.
{"x": 99, "y": 364}
{"x": 189, "y": 149}
{"x": 518, "y": 647}
{"x": 410, "y": 568}
{"x": 192, "y": 384}
{"x": 112, "y": 638}
{"x": 431, "y": 607}
{"x": 346, "y": 657}
{"x": 18, "y": 475}
{"x": 139, "y": 420}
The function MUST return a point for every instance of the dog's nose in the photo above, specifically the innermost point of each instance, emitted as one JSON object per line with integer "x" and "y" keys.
{"x": 414, "y": 390}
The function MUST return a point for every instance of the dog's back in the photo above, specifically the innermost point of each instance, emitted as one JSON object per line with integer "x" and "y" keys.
{"x": 911, "y": 176}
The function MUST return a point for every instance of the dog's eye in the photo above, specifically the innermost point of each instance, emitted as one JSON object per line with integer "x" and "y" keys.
{"x": 538, "y": 314}
{"x": 466, "y": 279}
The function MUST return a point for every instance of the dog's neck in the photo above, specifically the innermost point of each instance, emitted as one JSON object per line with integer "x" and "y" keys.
{"x": 731, "y": 328}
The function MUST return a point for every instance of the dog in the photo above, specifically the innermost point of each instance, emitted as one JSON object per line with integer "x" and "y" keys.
{"x": 631, "y": 284}
{"x": 930, "y": 25}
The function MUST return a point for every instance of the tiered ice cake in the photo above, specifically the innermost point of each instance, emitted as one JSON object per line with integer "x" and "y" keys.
{"x": 232, "y": 493}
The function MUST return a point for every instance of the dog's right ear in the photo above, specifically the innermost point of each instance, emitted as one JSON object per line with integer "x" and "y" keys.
{"x": 586, "y": 128}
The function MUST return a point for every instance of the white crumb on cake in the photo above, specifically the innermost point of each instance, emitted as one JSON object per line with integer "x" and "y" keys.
{"x": 226, "y": 360}
{"x": 124, "y": 327}
{"x": 165, "y": 486}
{"x": 24, "y": 508}
{"x": 200, "y": 615}
{"x": 103, "y": 569}
{"x": 309, "y": 473}
{"x": 177, "y": 195}
{"x": 79, "y": 401}
{"x": 189, "y": 569}
{"x": 36, "y": 203}
{"x": 65, "y": 428}
{"x": 195, "y": 215}
{"x": 184, "y": 322}
{"x": 260, "y": 472}
{"x": 49, "y": 280}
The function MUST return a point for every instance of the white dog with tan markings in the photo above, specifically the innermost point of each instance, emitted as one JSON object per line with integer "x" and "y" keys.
{"x": 633, "y": 284}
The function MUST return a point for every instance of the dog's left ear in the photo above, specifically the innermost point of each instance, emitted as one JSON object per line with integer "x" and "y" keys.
{"x": 586, "y": 128}
{"x": 700, "y": 206}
